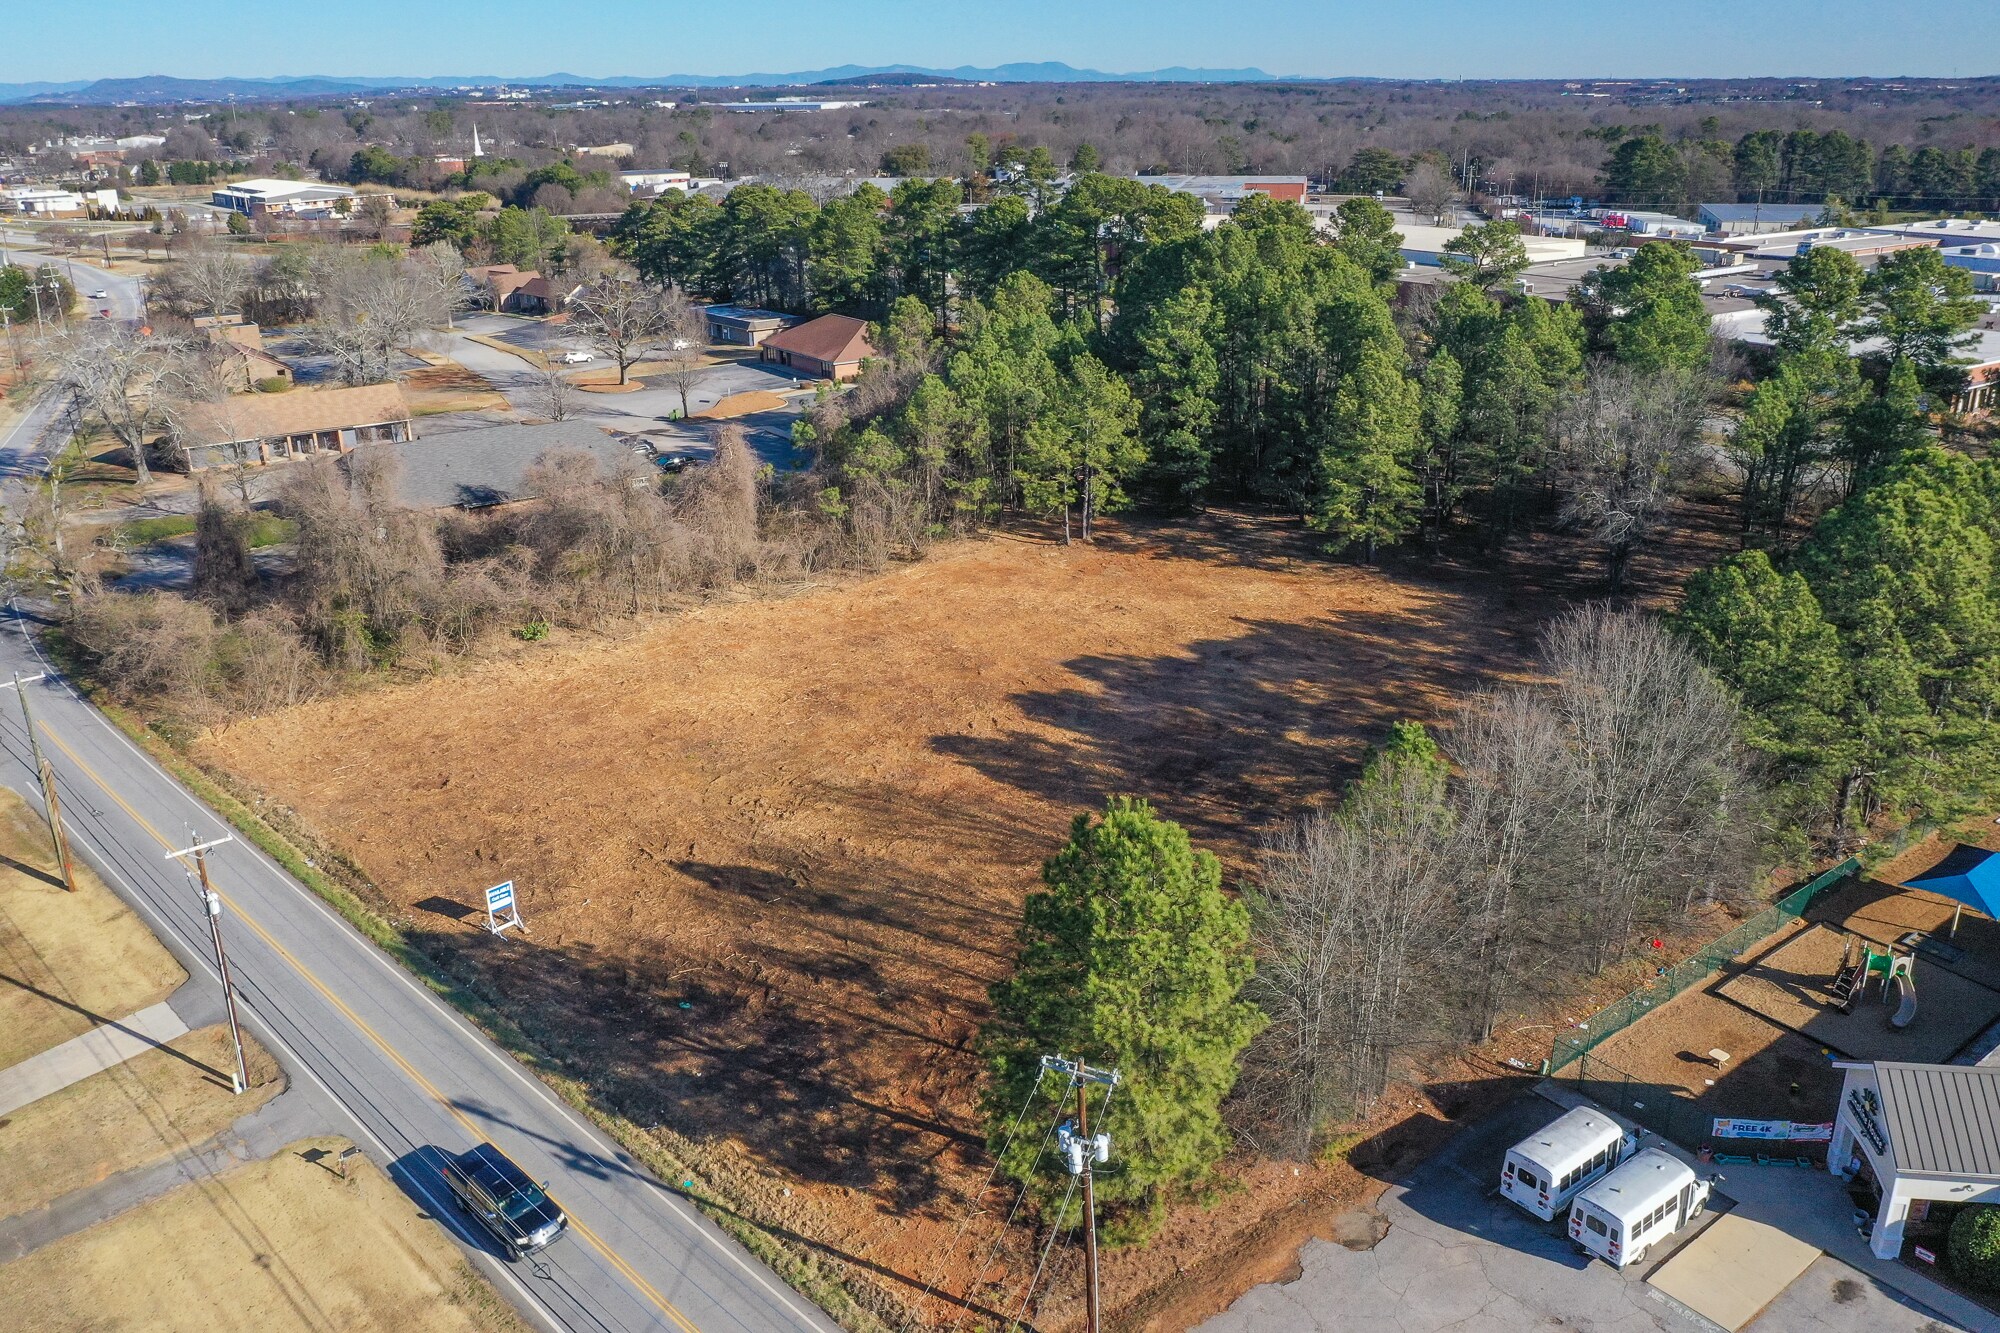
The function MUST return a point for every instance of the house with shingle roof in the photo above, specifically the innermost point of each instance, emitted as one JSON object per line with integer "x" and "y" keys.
{"x": 265, "y": 428}
{"x": 831, "y": 347}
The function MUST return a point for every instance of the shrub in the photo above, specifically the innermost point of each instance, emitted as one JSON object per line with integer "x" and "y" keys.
{"x": 1974, "y": 1246}
{"x": 153, "y": 644}
{"x": 273, "y": 384}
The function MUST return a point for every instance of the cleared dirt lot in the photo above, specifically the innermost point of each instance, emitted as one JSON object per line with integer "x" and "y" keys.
{"x": 279, "y": 1244}
{"x": 163, "y": 1102}
{"x": 68, "y": 961}
{"x": 811, "y": 822}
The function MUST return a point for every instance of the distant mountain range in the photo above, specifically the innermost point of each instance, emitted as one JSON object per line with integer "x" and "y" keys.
{"x": 161, "y": 88}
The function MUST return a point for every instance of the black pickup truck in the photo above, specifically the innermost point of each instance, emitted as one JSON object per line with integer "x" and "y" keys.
{"x": 505, "y": 1200}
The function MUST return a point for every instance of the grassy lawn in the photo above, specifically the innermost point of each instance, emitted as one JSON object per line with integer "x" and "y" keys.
{"x": 265, "y": 530}
{"x": 143, "y": 1111}
{"x": 280, "y": 1244}
{"x": 66, "y": 960}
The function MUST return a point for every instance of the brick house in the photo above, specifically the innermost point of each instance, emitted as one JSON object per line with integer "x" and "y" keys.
{"x": 831, "y": 347}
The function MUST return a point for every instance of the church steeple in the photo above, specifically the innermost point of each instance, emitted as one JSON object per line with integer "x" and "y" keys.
{"x": 477, "y": 151}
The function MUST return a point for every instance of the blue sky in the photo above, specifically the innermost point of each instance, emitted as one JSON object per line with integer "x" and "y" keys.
{"x": 43, "y": 40}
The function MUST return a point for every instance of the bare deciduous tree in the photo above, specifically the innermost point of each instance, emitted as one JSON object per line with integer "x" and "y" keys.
{"x": 1351, "y": 921}
{"x": 441, "y": 268}
{"x": 1511, "y": 763}
{"x": 1431, "y": 192}
{"x": 370, "y": 307}
{"x": 1651, "y": 814}
{"x": 684, "y": 336}
{"x": 367, "y": 567}
{"x": 553, "y": 394}
{"x": 224, "y": 573}
{"x": 120, "y": 375}
{"x": 622, "y": 317}
{"x": 1627, "y": 442}
{"x": 207, "y": 278}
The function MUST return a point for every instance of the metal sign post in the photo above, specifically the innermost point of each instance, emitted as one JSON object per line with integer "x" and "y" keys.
{"x": 502, "y": 912}
{"x": 211, "y": 903}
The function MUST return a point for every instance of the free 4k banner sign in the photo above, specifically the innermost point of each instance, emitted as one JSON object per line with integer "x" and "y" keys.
{"x": 1787, "y": 1130}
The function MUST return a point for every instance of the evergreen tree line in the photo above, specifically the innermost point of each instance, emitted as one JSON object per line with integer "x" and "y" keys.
{"x": 1868, "y": 659}
{"x": 1571, "y": 821}
{"x": 1819, "y": 424}
{"x": 1064, "y": 355}
{"x": 1802, "y": 166}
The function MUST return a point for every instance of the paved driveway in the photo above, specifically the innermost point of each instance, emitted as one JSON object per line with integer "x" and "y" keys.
{"x": 650, "y": 410}
{"x": 1457, "y": 1257}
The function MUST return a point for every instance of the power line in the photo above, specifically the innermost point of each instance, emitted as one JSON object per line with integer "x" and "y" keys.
{"x": 1027, "y": 1177}
{"x": 972, "y": 1202}
{"x": 1054, "y": 1231}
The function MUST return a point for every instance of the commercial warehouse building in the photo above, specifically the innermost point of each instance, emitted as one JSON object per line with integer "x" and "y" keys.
{"x": 301, "y": 199}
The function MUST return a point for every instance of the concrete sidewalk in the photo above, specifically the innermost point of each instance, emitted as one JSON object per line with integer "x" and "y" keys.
{"x": 1814, "y": 1207}
{"x": 78, "y": 1058}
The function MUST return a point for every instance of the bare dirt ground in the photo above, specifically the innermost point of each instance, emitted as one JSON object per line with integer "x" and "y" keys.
{"x": 773, "y": 852}
{"x": 163, "y": 1102}
{"x": 67, "y": 961}
{"x": 280, "y": 1244}
{"x": 1772, "y": 1073}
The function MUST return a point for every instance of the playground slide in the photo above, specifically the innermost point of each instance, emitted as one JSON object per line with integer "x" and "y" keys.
{"x": 1906, "y": 1012}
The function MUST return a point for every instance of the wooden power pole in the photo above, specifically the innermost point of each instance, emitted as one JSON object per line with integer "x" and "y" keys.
{"x": 1082, "y": 1152}
{"x": 46, "y": 775}
{"x": 211, "y": 906}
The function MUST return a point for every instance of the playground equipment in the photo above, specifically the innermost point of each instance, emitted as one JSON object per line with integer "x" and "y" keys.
{"x": 1862, "y": 962}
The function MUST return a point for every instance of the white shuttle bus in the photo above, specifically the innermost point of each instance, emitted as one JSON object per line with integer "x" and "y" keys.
{"x": 1635, "y": 1207}
{"x": 1544, "y": 1171}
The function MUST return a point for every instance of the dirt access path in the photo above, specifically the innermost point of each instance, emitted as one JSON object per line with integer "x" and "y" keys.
{"x": 773, "y": 852}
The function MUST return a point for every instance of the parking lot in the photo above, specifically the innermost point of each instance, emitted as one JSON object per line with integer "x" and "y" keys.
{"x": 1457, "y": 1256}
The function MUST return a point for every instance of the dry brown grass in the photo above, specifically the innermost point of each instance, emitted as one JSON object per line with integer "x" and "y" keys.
{"x": 450, "y": 387}
{"x": 742, "y": 405}
{"x": 70, "y": 961}
{"x": 150, "y": 1108}
{"x": 275, "y": 1245}
{"x": 814, "y": 820}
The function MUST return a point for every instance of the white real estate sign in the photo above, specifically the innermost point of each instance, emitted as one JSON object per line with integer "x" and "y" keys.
{"x": 502, "y": 913}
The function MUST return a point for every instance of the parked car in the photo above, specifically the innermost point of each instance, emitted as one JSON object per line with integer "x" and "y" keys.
{"x": 574, "y": 358}
{"x": 505, "y": 1200}
{"x": 671, "y": 462}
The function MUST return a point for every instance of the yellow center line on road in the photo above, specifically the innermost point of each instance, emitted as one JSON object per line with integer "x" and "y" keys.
{"x": 616, "y": 1260}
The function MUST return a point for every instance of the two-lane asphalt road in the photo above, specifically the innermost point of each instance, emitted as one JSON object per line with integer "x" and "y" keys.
{"x": 415, "y": 1078}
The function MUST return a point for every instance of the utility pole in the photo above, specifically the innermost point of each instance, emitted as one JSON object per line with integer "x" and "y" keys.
{"x": 1082, "y": 1151}
{"x": 211, "y": 903}
{"x": 47, "y": 777}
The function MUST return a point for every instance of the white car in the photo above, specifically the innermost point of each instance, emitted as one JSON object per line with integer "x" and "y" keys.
{"x": 100, "y": 296}
{"x": 575, "y": 358}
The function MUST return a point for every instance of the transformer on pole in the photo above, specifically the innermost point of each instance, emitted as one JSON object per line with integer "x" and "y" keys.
{"x": 211, "y": 906}
{"x": 1081, "y": 1150}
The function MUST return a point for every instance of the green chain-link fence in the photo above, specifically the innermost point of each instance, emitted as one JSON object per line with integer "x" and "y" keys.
{"x": 1667, "y": 1111}
{"x": 1698, "y": 967}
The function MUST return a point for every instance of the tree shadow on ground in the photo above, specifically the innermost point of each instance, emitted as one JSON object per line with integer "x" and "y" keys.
{"x": 1231, "y": 735}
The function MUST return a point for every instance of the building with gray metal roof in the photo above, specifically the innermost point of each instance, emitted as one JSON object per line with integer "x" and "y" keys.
{"x": 1915, "y": 1134}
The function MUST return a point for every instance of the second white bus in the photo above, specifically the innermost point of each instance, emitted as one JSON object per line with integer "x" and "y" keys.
{"x": 1637, "y": 1206}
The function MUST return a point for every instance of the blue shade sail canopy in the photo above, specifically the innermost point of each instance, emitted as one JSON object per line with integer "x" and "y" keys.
{"x": 1970, "y": 876}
